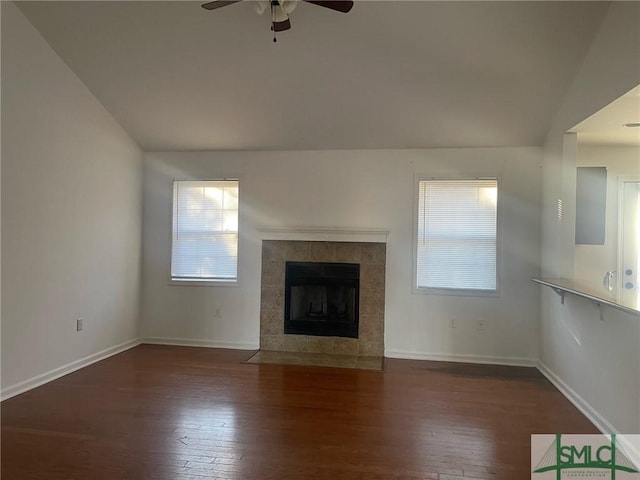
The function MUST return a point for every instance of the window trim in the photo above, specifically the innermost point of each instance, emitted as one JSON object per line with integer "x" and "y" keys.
{"x": 171, "y": 281}
{"x": 456, "y": 291}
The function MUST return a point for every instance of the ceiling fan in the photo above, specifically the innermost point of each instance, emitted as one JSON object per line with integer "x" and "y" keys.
{"x": 280, "y": 9}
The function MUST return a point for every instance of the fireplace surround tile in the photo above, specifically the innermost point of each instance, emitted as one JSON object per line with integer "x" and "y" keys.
{"x": 272, "y": 274}
{"x": 272, "y": 342}
{"x": 371, "y": 302}
{"x": 272, "y": 324}
{"x": 370, "y": 256}
{"x": 272, "y": 298}
{"x": 371, "y": 329}
{"x": 297, "y": 251}
{"x": 320, "y": 251}
{"x": 371, "y": 349}
{"x": 370, "y": 276}
{"x": 274, "y": 251}
{"x": 295, "y": 343}
{"x": 375, "y": 254}
{"x": 348, "y": 252}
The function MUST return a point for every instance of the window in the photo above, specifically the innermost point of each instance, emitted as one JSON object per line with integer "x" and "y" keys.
{"x": 205, "y": 231}
{"x": 457, "y": 235}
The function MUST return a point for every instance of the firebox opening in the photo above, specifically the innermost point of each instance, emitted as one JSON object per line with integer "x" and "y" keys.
{"x": 322, "y": 299}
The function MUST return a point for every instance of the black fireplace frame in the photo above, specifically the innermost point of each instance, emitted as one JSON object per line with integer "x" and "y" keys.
{"x": 328, "y": 274}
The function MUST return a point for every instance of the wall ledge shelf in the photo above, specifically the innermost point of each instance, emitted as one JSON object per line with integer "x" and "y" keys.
{"x": 562, "y": 286}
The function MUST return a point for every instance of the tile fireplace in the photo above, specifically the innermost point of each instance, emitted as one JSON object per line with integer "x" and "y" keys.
{"x": 323, "y": 297}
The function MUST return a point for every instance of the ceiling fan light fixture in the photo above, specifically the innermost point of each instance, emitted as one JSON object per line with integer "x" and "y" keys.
{"x": 287, "y": 6}
{"x": 261, "y": 7}
{"x": 280, "y": 9}
{"x": 279, "y": 14}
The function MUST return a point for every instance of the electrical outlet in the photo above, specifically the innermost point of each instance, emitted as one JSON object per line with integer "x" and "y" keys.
{"x": 452, "y": 323}
{"x": 79, "y": 324}
{"x": 217, "y": 313}
{"x": 481, "y": 323}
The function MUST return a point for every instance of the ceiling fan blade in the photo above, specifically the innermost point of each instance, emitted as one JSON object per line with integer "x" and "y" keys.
{"x": 218, "y": 4}
{"x": 281, "y": 26}
{"x": 337, "y": 5}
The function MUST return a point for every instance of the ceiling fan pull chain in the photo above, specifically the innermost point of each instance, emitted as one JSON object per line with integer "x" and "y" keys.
{"x": 273, "y": 24}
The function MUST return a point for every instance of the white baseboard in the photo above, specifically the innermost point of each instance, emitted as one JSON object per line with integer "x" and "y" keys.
{"x": 580, "y": 403}
{"x": 190, "y": 342}
{"x": 56, "y": 373}
{"x": 461, "y": 358}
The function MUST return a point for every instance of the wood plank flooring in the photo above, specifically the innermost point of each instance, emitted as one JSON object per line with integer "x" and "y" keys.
{"x": 160, "y": 412}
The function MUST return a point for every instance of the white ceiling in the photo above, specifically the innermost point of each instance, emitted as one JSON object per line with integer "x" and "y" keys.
{"x": 388, "y": 74}
{"x": 607, "y": 126}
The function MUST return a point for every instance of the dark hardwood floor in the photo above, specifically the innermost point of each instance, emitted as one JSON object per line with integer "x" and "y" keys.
{"x": 157, "y": 412}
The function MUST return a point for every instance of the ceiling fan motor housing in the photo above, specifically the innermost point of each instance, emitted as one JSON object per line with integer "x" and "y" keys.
{"x": 281, "y": 8}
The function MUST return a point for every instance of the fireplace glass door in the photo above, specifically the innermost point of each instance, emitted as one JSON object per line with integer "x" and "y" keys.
{"x": 322, "y": 299}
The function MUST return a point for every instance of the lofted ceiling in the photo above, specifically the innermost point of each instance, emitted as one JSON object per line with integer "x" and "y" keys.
{"x": 388, "y": 74}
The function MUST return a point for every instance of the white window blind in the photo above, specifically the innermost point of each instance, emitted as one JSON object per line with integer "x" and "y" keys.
{"x": 205, "y": 230}
{"x": 457, "y": 230}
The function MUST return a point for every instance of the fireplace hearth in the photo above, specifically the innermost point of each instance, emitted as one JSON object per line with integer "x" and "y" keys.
{"x": 322, "y": 299}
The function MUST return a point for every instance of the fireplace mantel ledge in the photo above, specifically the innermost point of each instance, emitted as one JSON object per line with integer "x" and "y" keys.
{"x": 323, "y": 234}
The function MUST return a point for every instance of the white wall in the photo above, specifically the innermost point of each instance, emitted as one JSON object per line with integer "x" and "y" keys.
{"x": 596, "y": 363}
{"x": 355, "y": 188}
{"x": 71, "y": 215}
{"x": 591, "y": 262}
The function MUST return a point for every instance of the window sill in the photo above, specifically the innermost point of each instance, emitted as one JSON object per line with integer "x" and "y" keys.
{"x": 455, "y": 292}
{"x": 203, "y": 283}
